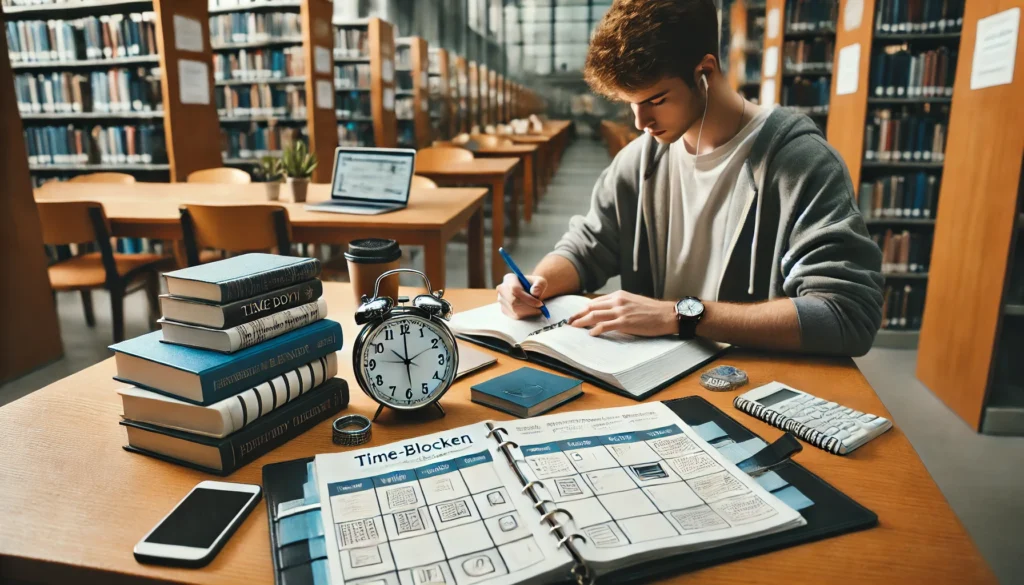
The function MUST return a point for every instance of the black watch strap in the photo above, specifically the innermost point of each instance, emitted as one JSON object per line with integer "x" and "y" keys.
{"x": 687, "y": 326}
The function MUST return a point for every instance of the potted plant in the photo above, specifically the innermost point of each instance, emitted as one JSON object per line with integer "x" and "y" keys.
{"x": 298, "y": 165}
{"x": 270, "y": 172}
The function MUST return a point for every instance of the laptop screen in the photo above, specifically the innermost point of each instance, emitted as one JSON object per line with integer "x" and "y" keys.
{"x": 373, "y": 174}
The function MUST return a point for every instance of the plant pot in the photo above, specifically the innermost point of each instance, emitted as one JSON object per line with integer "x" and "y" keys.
{"x": 273, "y": 190}
{"x": 298, "y": 188}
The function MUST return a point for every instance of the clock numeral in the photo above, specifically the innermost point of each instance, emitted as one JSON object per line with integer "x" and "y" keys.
{"x": 405, "y": 328}
{"x": 425, "y": 390}
{"x": 436, "y": 376}
{"x": 433, "y": 344}
{"x": 378, "y": 347}
{"x": 372, "y": 365}
{"x": 393, "y": 388}
{"x": 421, "y": 333}
{"x": 389, "y": 335}
{"x": 380, "y": 380}
{"x": 408, "y": 393}
{"x": 440, "y": 359}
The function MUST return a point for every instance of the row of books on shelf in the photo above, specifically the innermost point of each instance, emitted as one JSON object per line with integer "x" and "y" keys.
{"x": 808, "y": 54}
{"x": 904, "y": 252}
{"x": 353, "y": 105}
{"x": 919, "y": 16}
{"x": 355, "y": 134}
{"x": 253, "y": 361}
{"x": 259, "y": 64}
{"x": 902, "y": 74}
{"x": 904, "y": 137}
{"x": 261, "y": 100}
{"x": 351, "y": 43}
{"x": 242, "y": 4}
{"x": 91, "y": 37}
{"x": 111, "y": 91}
{"x": 352, "y": 76}
{"x": 143, "y": 143}
{"x": 433, "y": 62}
{"x": 810, "y": 15}
{"x": 256, "y": 141}
{"x": 805, "y": 93}
{"x": 902, "y": 306}
{"x": 406, "y": 136}
{"x": 241, "y": 27}
{"x": 405, "y": 107}
{"x": 912, "y": 195}
{"x": 403, "y": 57}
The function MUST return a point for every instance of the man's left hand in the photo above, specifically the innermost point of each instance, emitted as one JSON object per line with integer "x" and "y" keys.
{"x": 627, "y": 313}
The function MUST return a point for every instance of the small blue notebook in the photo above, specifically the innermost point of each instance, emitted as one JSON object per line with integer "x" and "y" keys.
{"x": 527, "y": 392}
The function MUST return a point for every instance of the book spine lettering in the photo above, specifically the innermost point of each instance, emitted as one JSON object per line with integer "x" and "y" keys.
{"x": 248, "y": 310}
{"x": 256, "y": 284}
{"x": 269, "y": 327}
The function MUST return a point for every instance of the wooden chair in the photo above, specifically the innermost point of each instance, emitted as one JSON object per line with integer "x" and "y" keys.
{"x": 461, "y": 139}
{"x": 491, "y": 141}
{"x": 234, "y": 228}
{"x": 83, "y": 222}
{"x": 219, "y": 175}
{"x": 419, "y": 182}
{"x": 119, "y": 178}
{"x": 437, "y": 156}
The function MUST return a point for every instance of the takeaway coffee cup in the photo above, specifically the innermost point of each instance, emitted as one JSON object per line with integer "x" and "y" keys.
{"x": 368, "y": 259}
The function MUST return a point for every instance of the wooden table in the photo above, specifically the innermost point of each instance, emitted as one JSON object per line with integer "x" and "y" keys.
{"x": 74, "y": 503}
{"x": 484, "y": 171}
{"x": 545, "y": 163}
{"x": 432, "y": 218}
{"x": 526, "y": 153}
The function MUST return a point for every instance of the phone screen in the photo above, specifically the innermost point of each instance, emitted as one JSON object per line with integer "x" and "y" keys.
{"x": 200, "y": 518}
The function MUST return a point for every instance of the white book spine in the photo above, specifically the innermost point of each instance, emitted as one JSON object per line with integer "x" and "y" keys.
{"x": 260, "y": 330}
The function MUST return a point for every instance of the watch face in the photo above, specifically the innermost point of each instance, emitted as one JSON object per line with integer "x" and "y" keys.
{"x": 407, "y": 362}
{"x": 689, "y": 307}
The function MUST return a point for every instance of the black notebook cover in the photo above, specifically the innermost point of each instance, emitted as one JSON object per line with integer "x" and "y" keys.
{"x": 832, "y": 514}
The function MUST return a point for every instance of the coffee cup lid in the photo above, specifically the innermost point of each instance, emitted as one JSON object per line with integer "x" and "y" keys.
{"x": 373, "y": 251}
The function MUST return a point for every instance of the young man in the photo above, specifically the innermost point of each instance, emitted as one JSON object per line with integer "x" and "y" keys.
{"x": 724, "y": 219}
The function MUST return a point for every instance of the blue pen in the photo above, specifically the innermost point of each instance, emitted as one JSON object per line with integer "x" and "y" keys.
{"x": 522, "y": 279}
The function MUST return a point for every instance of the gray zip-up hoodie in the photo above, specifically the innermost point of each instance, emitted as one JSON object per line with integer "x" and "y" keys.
{"x": 802, "y": 236}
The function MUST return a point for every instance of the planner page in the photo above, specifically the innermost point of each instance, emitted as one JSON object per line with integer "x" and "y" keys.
{"x": 640, "y": 484}
{"x": 442, "y": 508}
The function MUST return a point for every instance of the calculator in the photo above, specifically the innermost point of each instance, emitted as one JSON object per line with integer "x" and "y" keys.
{"x": 827, "y": 425}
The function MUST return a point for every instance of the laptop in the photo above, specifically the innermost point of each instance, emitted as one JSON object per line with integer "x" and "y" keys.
{"x": 369, "y": 181}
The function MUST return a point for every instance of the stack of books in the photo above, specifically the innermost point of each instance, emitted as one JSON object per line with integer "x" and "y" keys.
{"x": 245, "y": 361}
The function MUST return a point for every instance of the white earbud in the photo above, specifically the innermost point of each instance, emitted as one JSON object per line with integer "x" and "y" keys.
{"x": 704, "y": 82}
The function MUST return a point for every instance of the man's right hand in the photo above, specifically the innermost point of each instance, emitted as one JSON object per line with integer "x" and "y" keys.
{"x": 517, "y": 302}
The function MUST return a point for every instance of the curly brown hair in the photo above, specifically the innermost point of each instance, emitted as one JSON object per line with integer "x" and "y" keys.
{"x": 639, "y": 42}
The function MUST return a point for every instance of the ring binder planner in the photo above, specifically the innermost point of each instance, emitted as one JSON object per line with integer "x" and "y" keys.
{"x": 551, "y": 513}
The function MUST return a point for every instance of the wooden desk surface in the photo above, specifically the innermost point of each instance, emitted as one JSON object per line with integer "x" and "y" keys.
{"x": 159, "y": 202}
{"x": 74, "y": 503}
{"x": 511, "y": 150}
{"x": 480, "y": 167}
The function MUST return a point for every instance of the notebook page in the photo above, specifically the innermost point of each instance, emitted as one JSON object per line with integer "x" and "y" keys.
{"x": 641, "y": 484}
{"x": 441, "y": 508}
{"x": 610, "y": 353}
{"x": 489, "y": 319}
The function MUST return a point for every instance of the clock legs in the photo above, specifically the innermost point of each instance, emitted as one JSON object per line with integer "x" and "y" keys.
{"x": 380, "y": 409}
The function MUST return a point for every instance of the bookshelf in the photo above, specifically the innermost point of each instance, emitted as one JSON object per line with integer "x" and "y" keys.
{"x": 105, "y": 98}
{"x": 746, "y": 45}
{"x": 972, "y": 336}
{"x": 800, "y": 40}
{"x": 484, "y": 96}
{"x": 506, "y": 93}
{"x": 441, "y": 98}
{"x": 460, "y": 84}
{"x": 24, "y": 283}
{"x": 412, "y": 106}
{"x": 364, "y": 59}
{"x": 899, "y": 190}
{"x": 321, "y": 116}
{"x": 473, "y": 104}
{"x": 492, "y": 97}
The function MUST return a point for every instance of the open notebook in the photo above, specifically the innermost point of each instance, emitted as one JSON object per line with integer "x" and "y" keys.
{"x": 583, "y": 493}
{"x": 634, "y": 366}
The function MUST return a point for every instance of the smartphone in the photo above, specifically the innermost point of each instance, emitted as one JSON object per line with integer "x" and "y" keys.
{"x": 196, "y": 529}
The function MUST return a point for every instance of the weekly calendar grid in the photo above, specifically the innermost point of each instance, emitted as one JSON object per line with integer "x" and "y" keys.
{"x": 450, "y": 521}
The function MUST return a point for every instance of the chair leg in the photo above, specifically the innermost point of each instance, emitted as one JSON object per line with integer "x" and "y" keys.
{"x": 90, "y": 317}
{"x": 117, "y": 313}
{"x": 153, "y": 296}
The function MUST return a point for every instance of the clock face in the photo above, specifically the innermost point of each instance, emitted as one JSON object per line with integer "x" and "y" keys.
{"x": 690, "y": 307}
{"x": 407, "y": 362}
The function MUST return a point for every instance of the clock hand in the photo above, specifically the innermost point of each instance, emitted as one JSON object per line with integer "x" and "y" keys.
{"x": 398, "y": 355}
{"x": 408, "y": 369}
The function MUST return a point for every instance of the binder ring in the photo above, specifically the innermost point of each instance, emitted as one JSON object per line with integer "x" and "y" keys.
{"x": 504, "y": 443}
{"x": 554, "y": 511}
{"x": 540, "y": 505}
{"x": 581, "y": 573}
{"x": 569, "y": 537}
{"x": 532, "y": 483}
{"x": 495, "y": 430}
{"x": 555, "y": 526}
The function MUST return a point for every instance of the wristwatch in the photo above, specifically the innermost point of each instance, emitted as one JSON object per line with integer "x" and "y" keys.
{"x": 689, "y": 312}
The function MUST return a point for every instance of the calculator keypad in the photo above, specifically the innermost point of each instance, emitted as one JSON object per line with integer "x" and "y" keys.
{"x": 850, "y": 427}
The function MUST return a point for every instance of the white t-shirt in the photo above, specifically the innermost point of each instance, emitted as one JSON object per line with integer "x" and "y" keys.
{"x": 705, "y": 212}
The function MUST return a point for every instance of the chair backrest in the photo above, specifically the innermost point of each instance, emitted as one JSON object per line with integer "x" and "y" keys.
{"x": 219, "y": 175}
{"x": 491, "y": 141}
{"x": 420, "y": 182}
{"x": 119, "y": 178}
{"x": 436, "y": 156}
{"x": 234, "y": 228}
{"x": 72, "y": 222}
{"x": 461, "y": 138}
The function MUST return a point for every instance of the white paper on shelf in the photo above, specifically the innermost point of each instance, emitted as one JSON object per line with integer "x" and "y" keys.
{"x": 767, "y": 92}
{"x": 995, "y": 49}
{"x": 387, "y": 73}
{"x": 322, "y": 58}
{"x": 771, "y": 62}
{"x": 325, "y": 94}
{"x": 773, "y": 23}
{"x": 389, "y": 99}
{"x": 194, "y": 81}
{"x": 188, "y": 34}
{"x": 853, "y": 14}
{"x": 848, "y": 70}
{"x": 423, "y": 79}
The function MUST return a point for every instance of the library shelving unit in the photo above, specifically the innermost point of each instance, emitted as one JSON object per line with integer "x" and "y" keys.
{"x": 492, "y": 97}
{"x": 439, "y": 80}
{"x": 483, "y": 96}
{"x": 462, "y": 105}
{"x": 972, "y": 336}
{"x": 107, "y": 101}
{"x": 799, "y": 45}
{"x": 746, "y": 44}
{"x": 321, "y": 116}
{"x": 896, "y": 187}
{"x": 473, "y": 110}
{"x": 412, "y": 92}
{"x": 366, "y": 104}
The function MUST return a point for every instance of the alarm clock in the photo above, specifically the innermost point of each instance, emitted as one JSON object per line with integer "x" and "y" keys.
{"x": 405, "y": 357}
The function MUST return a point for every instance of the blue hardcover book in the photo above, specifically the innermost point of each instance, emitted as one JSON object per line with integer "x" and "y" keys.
{"x": 527, "y": 392}
{"x": 240, "y": 277}
{"x": 204, "y": 377}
